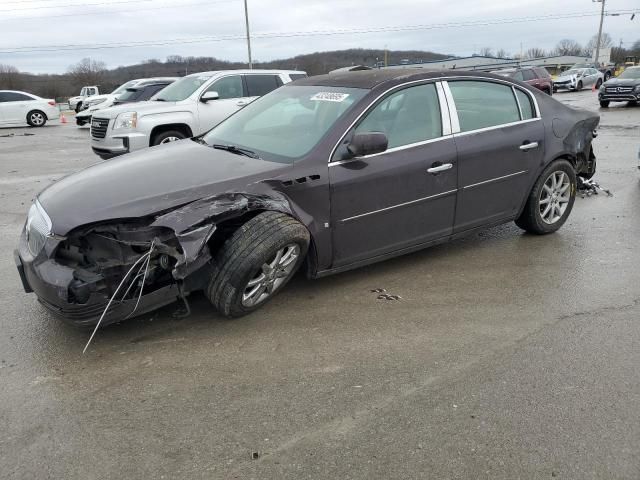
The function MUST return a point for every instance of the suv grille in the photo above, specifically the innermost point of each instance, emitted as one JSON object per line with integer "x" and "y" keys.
{"x": 619, "y": 89}
{"x": 99, "y": 127}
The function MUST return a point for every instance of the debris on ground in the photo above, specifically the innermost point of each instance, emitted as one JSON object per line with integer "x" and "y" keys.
{"x": 384, "y": 295}
{"x": 17, "y": 135}
{"x": 586, "y": 188}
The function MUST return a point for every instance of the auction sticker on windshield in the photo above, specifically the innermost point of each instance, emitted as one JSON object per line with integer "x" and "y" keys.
{"x": 329, "y": 97}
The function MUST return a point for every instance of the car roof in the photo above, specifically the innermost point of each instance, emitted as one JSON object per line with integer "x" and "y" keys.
{"x": 20, "y": 91}
{"x": 370, "y": 79}
{"x": 245, "y": 71}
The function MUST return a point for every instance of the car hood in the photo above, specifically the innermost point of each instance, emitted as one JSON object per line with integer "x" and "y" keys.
{"x": 622, "y": 82}
{"x": 143, "y": 108}
{"x": 153, "y": 180}
{"x": 565, "y": 78}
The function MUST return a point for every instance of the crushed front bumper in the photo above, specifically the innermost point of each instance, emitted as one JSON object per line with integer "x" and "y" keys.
{"x": 52, "y": 282}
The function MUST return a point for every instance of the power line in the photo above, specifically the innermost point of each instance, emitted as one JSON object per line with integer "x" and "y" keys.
{"x": 209, "y": 39}
{"x": 14, "y": 10}
{"x": 113, "y": 12}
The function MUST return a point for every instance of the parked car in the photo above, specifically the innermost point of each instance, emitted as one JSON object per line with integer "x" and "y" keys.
{"x": 537, "y": 77}
{"x": 18, "y": 108}
{"x": 100, "y": 102}
{"x": 188, "y": 107}
{"x": 142, "y": 92}
{"x": 331, "y": 172}
{"x": 75, "y": 103}
{"x": 624, "y": 88}
{"x": 606, "y": 70}
{"x": 578, "y": 78}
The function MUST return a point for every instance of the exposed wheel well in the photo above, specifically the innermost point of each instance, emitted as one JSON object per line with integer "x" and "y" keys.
{"x": 180, "y": 127}
{"x": 225, "y": 229}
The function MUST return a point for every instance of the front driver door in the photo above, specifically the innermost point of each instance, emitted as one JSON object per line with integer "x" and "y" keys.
{"x": 231, "y": 98}
{"x": 404, "y": 196}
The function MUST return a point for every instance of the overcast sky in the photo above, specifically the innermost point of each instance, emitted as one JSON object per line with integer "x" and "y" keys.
{"x": 31, "y": 23}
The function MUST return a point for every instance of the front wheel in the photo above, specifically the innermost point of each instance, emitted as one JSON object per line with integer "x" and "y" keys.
{"x": 607, "y": 76}
{"x": 167, "y": 137}
{"x": 551, "y": 199}
{"x": 78, "y": 107}
{"x": 36, "y": 118}
{"x": 256, "y": 262}
{"x": 579, "y": 87}
{"x": 604, "y": 103}
{"x": 599, "y": 83}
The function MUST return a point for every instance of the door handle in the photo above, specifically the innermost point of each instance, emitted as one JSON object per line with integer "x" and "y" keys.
{"x": 529, "y": 146}
{"x": 242, "y": 103}
{"x": 440, "y": 168}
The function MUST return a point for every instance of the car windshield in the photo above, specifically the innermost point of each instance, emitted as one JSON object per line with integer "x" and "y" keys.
{"x": 181, "y": 89}
{"x": 630, "y": 73}
{"x": 129, "y": 94}
{"x": 123, "y": 87}
{"x": 287, "y": 123}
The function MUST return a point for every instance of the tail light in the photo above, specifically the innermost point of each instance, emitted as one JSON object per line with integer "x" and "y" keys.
{"x": 52, "y": 103}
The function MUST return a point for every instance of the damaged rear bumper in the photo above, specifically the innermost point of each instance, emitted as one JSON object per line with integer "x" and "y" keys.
{"x": 54, "y": 286}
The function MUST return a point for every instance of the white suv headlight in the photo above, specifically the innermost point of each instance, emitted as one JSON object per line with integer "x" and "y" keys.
{"x": 126, "y": 121}
{"x": 38, "y": 228}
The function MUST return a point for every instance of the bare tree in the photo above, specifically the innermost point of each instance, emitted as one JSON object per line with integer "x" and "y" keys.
{"x": 87, "y": 72}
{"x": 636, "y": 46}
{"x": 535, "y": 52}
{"x": 605, "y": 42}
{"x": 10, "y": 77}
{"x": 486, "y": 52}
{"x": 502, "y": 53}
{"x": 568, "y": 47}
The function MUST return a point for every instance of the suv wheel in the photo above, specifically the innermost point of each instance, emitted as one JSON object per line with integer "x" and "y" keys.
{"x": 78, "y": 107}
{"x": 607, "y": 76}
{"x": 551, "y": 199}
{"x": 167, "y": 137}
{"x": 256, "y": 262}
{"x": 604, "y": 103}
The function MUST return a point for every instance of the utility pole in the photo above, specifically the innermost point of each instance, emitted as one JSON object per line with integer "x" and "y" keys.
{"x": 597, "y": 59}
{"x": 246, "y": 18}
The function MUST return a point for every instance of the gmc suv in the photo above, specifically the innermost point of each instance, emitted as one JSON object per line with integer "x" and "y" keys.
{"x": 189, "y": 107}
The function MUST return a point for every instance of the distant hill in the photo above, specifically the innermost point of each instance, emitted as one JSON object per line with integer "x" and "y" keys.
{"x": 65, "y": 85}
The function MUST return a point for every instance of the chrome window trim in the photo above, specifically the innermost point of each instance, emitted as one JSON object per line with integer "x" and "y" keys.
{"x": 366, "y": 110}
{"x": 496, "y": 127}
{"x": 391, "y": 150}
{"x": 515, "y": 95}
{"x": 522, "y": 172}
{"x": 444, "y": 110}
{"x": 399, "y": 205}
{"x": 450, "y": 104}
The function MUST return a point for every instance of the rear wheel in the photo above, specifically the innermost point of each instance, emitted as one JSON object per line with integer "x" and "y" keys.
{"x": 599, "y": 83}
{"x": 604, "y": 103}
{"x": 36, "y": 118}
{"x": 607, "y": 76}
{"x": 167, "y": 137}
{"x": 551, "y": 199}
{"x": 256, "y": 262}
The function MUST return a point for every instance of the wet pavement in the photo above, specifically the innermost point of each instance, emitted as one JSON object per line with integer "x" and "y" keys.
{"x": 508, "y": 356}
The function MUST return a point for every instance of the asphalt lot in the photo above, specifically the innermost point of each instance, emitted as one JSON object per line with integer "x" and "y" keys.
{"x": 509, "y": 356}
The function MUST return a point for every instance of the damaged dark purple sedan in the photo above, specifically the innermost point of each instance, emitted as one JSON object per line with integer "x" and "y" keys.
{"x": 328, "y": 173}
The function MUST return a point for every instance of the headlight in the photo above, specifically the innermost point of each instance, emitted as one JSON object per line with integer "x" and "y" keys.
{"x": 637, "y": 89}
{"x": 38, "y": 228}
{"x": 126, "y": 121}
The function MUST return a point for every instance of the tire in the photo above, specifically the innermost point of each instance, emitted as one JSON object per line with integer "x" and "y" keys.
{"x": 604, "y": 103}
{"x": 598, "y": 83}
{"x": 78, "y": 107}
{"x": 249, "y": 255}
{"x": 632, "y": 103}
{"x": 607, "y": 76}
{"x": 548, "y": 91}
{"x": 167, "y": 137}
{"x": 36, "y": 118}
{"x": 579, "y": 87}
{"x": 532, "y": 219}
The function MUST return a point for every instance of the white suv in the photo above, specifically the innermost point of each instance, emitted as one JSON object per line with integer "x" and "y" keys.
{"x": 189, "y": 107}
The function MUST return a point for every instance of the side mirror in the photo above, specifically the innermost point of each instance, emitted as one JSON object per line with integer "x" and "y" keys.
{"x": 368, "y": 143}
{"x": 208, "y": 96}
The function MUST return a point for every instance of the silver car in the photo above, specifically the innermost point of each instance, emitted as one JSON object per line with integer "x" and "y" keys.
{"x": 578, "y": 78}
{"x": 189, "y": 107}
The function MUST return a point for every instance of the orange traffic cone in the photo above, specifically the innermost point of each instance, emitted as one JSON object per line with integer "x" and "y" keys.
{"x": 63, "y": 119}
{"x": 593, "y": 89}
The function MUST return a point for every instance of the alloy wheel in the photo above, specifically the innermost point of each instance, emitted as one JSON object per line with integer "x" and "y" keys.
{"x": 271, "y": 275}
{"x": 170, "y": 139}
{"x": 554, "y": 197}
{"x": 37, "y": 119}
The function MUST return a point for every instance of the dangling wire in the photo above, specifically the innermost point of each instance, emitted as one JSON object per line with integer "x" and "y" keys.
{"x": 144, "y": 258}
{"x": 144, "y": 278}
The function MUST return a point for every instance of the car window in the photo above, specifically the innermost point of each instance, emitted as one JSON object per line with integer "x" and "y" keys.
{"x": 528, "y": 75}
{"x": 258, "y": 85}
{"x": 408, "y": 116}
{"x": 525, "y": 104}
{"x": 228, "y": 87}
{"x": 517, "y": 76}
{"x": 542, "y": 72}
{"x": 16, "y": 97}
{"x": 297, "y": 76}
{"x": 483, "y": 104}
{"x": 149, "y": 91}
